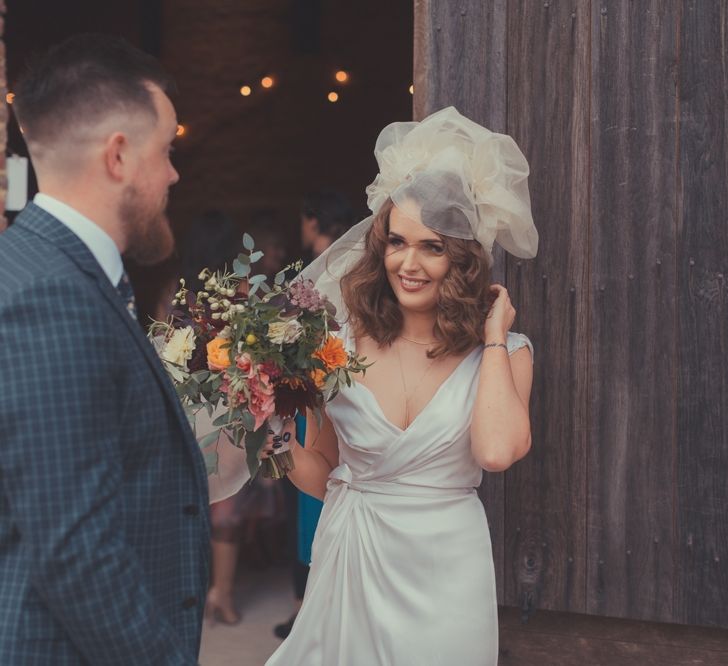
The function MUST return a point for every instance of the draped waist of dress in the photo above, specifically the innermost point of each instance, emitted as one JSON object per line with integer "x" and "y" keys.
{"x": 342, "y": 477}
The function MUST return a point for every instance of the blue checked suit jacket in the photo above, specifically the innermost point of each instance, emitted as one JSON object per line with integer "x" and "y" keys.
{"x": 104, "y": 529}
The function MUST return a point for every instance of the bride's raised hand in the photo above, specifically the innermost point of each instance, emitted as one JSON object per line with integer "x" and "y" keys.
{"x": 500, "y": 316}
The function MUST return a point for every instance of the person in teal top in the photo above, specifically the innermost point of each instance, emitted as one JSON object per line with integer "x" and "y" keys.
{"x": 309, "y": 508}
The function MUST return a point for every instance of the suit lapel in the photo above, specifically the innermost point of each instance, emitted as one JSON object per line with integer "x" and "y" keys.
{"x": 36, "y": 220}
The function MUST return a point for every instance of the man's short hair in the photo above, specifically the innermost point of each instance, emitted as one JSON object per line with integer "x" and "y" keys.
{"x": 81, "y": 81}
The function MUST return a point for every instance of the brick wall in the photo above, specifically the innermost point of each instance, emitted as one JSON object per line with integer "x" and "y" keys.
{"x": 269, "y": 149}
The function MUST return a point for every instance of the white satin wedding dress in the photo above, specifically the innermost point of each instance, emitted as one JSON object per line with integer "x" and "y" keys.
{"x": 402, "y": 567}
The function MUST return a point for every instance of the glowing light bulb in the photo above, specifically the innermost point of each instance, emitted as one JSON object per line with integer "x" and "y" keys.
{"x": 267, "y": 82}
{"x": 10, "y": 98}
{"x": 333, "y": 97}
{"x": 245, "y": 91}
{"x": 412, "y": 90}
{"x": 181, "y": 130}
{"x": 342, "y": 76}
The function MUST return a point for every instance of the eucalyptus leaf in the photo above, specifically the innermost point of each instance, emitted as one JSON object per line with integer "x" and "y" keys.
{"x": 190, "y": 413}
{"x": 254, "y": 441}
{"x": 221, "y": 420}
{"x": 253, "y": 463}
{"x": 241, "y": 270}
{"x": 244, "y": 258}
{"x": 248, "y": 242}
{"x": 279, "y": 279}
{"x": 211, "y": 461}
{"x": 201, "y": 375}
{"x": 257, "y": 279}
{"x": 330, "y": 383}
{"x": 256, "y": 256}
{"x": 248, "y": 420}
{"x": 209, "y": 438}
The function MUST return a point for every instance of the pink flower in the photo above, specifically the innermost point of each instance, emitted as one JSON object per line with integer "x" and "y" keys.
{"x": 270, "y": 369}
{"x": 245, "y": 363}
{"x": 262, "y": 403}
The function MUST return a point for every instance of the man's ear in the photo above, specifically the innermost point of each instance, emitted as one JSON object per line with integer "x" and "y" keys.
{"x": 116, "y": 156}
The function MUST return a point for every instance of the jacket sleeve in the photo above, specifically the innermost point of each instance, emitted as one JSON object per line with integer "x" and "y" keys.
{"x": 61, "y": 468}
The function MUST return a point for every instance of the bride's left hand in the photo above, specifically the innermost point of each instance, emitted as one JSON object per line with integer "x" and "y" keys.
{"x": 500, "y": 316}
{"x": 274, "y": 442}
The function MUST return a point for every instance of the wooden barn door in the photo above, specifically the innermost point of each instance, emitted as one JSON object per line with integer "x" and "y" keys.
{"x": 621, "y": 508}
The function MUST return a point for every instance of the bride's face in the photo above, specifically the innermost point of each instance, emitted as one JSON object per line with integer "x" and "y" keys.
{"x": 415, "y": 261}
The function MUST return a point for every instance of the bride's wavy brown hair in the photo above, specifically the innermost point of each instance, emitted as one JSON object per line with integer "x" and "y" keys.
{"x": 462, "y": 306}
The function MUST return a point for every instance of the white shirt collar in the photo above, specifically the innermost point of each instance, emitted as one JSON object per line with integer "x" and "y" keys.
{"x": 92, "y": 235}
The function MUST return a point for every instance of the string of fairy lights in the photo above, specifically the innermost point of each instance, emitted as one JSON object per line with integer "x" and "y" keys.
{"x": 341, "y": 78}
{"x": 266, "y": 83}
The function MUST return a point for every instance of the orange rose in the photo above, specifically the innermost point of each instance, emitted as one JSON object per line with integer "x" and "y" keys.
{"x": 217, "y": 357}
{"x": 319, "y": 377}
{"x": 333, "y": 353}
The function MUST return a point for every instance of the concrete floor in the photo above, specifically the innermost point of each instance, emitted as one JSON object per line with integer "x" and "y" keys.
{"x": 265, "y": 598}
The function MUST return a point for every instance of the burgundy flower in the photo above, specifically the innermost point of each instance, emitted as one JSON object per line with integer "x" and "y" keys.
{"x": 292, "y": 397}
{"x": 271, "y": 369}
{"x": 199, "y": 357}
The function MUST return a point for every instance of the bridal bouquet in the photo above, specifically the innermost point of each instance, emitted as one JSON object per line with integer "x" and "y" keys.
{"x": 253, "y": 353}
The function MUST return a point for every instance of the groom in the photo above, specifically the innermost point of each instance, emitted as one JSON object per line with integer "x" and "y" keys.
{"x": 103, "y": 493}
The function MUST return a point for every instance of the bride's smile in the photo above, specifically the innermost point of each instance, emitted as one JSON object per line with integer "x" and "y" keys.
{"x": 415, "y": 262}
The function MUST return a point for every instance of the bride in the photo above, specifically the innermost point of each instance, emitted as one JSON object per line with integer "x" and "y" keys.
{"x": 402, "y": 569}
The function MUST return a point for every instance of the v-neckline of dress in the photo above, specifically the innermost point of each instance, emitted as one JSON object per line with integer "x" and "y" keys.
{"x": 402, "y": 431}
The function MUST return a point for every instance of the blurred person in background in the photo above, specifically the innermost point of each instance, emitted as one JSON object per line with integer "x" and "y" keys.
{"x": 265, "y": 228}
{"x": 325, "y": 215}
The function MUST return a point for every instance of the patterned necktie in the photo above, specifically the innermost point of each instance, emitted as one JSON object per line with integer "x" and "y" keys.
{"x": 127, "y": 294}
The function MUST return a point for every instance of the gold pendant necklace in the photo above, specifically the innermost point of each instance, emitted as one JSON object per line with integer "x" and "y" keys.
{"x": 408, "y": 397}
{"x": 417, "y": 342}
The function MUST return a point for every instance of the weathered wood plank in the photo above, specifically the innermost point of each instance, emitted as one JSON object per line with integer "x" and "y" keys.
{"x": 568, "y": 639}
{"x": 548, "y": 74}
{"x": 421, "y": 62}
{"x": 702, "y": 263}
{"x": 460, "y": 59}
{"x": 576, "y": 625}
{"x": 447, "y": 36}
{"x": 632, "y": 346}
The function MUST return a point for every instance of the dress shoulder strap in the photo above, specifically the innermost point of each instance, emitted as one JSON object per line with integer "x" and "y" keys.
{"x": 515, "y": 341}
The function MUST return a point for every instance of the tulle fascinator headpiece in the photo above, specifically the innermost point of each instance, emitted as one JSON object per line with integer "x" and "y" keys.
{"x": 453, "y": 175}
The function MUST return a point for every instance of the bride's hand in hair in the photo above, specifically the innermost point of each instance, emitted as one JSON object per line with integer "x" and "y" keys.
{"x": 500, "y": 316}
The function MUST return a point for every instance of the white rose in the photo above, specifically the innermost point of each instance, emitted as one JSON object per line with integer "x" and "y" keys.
{"x": 284, "y": 332}
{"x": 180, "y": 347}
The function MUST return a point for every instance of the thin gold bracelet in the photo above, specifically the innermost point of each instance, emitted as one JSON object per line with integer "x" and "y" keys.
{"x": 496, "y": 344}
